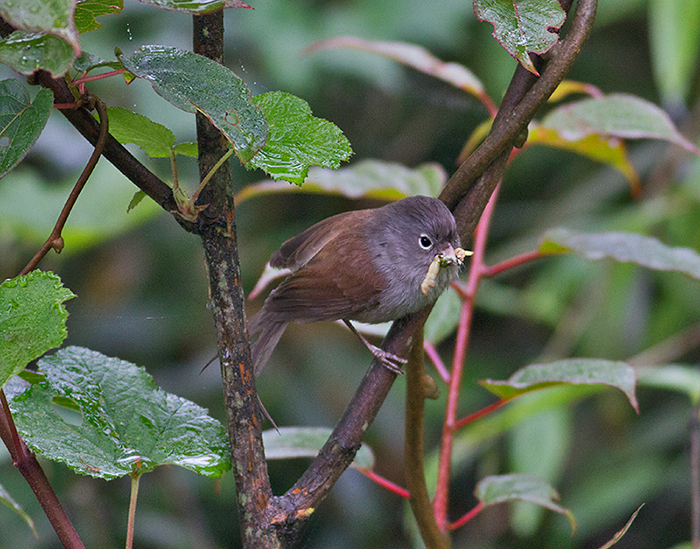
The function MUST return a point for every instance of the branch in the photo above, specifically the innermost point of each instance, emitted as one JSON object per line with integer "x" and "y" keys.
{"x": 291, "y": 511}
{"x": 414, "y": 467}
{"x": 29, "y": 467}
{"x": 218, "y": 231}
{"x": 468, "y": 188}
{"x": 55, "y": 240}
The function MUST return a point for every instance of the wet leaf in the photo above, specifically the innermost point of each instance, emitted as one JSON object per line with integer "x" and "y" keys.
{"x": 522, "y": 26}
{"x": 192, "y": 83}
{"x": 22, "y": 121}
{"x": 25, "y": 52}
{"x": 126, "y": 423}
{"x": 32, "y": 319}
{"x": 297, "y": 140}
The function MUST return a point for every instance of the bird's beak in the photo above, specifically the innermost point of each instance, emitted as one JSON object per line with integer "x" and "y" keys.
{"x": 448, "y": 256}
{"x": 452, "y": 256}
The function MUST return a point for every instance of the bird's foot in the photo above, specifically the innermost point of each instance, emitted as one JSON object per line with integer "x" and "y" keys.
{"x": 391, "y": 361}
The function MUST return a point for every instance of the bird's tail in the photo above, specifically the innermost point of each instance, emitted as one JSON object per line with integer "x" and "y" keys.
{"x": 270, "y": 333}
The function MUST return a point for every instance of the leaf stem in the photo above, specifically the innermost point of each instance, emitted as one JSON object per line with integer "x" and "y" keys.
{"x": 135, "y": 478}
{"x": 466, "y": 517}
{"x": 385, "y": 483}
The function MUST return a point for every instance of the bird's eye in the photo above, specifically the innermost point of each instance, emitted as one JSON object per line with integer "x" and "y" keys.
{"x": 425, "y": 242}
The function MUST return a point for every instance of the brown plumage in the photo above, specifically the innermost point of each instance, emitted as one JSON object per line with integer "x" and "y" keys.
{"x": 365, "y": 265}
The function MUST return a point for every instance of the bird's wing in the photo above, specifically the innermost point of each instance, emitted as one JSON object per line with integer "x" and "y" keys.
{"x": 339, "y": 281}
{"x": 299, "y": 250}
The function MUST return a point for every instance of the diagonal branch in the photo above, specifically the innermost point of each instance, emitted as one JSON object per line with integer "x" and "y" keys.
{"x": 525, "y": 95}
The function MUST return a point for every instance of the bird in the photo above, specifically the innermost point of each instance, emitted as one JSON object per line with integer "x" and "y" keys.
{"x": 373, "y": 265}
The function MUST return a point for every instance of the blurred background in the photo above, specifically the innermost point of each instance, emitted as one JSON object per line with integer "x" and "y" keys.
{"x": 142, "y": 287}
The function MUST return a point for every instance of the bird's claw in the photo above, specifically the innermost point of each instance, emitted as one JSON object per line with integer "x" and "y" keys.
{"x": 390, "y": 360}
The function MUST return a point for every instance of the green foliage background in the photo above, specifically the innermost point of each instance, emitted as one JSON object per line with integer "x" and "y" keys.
{"x": 141, "y": 284}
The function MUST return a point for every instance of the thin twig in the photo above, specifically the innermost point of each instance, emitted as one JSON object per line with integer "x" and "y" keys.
{"x": 434, "y": 357}
{"x": 385, "y": 483}
{"x": 516, "y": 261}
{"x": 414, "y": 468}
{"x": 463, "y": 331}
{"x": 55, "y": 240}
{"x": 695, "y": 474}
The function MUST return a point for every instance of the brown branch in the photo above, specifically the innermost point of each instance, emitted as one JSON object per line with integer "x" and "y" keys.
{"x": 55, "y": 240}
{"x": 29, "y": 467}
{"x": 414, "y": 467}
{"x": 290, "y": 511}
{"x": 114, "y": 151}
{"x": 244, "y": 423}
{"x": 468, "y": 191}
{"x": 524, "y": 96}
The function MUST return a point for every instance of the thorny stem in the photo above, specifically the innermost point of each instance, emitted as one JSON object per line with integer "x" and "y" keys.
{"x": 55, "y": 240}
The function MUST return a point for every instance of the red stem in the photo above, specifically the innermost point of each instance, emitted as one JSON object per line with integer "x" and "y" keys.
{"x": 385, "y": 483}
{"x": 510, "y": 263}
{"x": 466, "y": 518}
{"x": 480, "y": 413}
{"x": 434, "y": 357}
{"x": 97, "y": 77}
{"x": 463, "y": 330}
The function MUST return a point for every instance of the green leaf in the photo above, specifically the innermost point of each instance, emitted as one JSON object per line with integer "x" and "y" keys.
{"x": 444, "y": 317}
{"x": 297, "y": 140}
{"x": 193, "y": 83}
{"x": 601, "y": 148}
{"x": 616, "y": 115}
{"x": 685, "y": 379}
{"x": 522, "y": 26}
{"x": 129, "y": 425}
{"x": 623, "y": 247}
{"x": 21, "y": 121}
{"x": 521, "y": 487}
{"x": 364, "y": 179}
{"x": 412, "y": 56}
{"x": 32, "y": 319}
{"x": 187, "y": 149}
{"x": 8, "y": 500}
{"x": 26, "y": 52}
{"x": 674, "y": 44}
{"x": 578, "y": 371}
{"x": 87, "y": 11}
{"x": 46, "y": 16}
{"x": 618, "y": 535}
{"x": 87, "y": 62}
{"x": 129, "y": 127}
{"x": 305, "y": 442}
{"x": 196, "y": 7}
